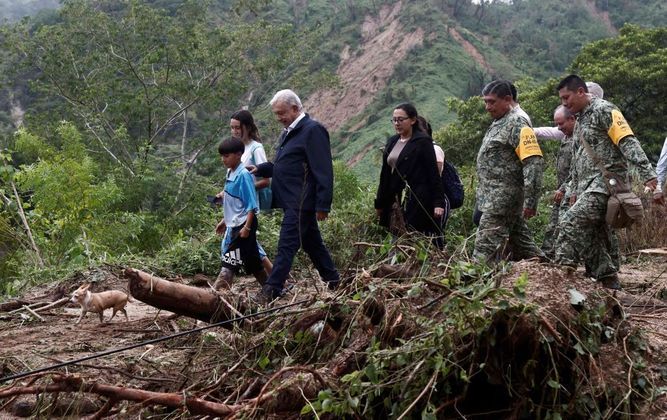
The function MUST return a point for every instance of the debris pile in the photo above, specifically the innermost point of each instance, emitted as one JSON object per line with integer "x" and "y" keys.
{"x": 396, "y": 340}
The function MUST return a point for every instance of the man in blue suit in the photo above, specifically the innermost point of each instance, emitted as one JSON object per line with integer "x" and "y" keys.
{"x": 302, "y": 185}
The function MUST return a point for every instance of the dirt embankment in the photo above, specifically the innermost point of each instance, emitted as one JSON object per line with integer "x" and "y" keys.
{"x": 365, "y": 71}
{"x": 470, "y": 49}
{"x": 602, "y": 16}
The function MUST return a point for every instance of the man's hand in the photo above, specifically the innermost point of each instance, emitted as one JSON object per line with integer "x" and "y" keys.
{"x": 378, "y": 213}
{"x": 651, "y": 184}
{"x": 558, "y": 196}
{"x": 659, "y": 198}
{"x": 438, "y": 212}
{"x": 244, "y": 232}
{"x": 528, "y": 213}
{"x": 251, "y": 168}
{"x": 573, "y": 199}
{"x": 321, "y": 215}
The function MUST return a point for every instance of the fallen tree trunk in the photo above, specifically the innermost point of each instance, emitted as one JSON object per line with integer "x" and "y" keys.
{"x": 12, "y": 305}
{"x": 203, "y": 304}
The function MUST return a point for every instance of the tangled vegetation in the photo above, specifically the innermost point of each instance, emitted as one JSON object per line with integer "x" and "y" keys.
{"x": 433, "y": 337}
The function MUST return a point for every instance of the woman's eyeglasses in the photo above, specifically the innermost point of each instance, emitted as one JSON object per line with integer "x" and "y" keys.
{"x": 398, "y": 120}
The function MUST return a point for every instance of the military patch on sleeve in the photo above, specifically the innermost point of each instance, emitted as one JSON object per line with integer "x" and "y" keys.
{"x": 528, "y": 145}
{"x": 619, "y": 127}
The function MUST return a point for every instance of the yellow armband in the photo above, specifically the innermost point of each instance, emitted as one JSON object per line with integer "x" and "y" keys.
{"x": 528, "y": 145}
{"x": 620, "y": 128}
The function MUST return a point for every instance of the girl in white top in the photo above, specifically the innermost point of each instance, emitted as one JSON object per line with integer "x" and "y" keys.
{"x": 242, "y": 125}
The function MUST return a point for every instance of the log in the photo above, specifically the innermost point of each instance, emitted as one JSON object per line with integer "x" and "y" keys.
{"x": 202, "y": 304}
{"x": 12, "y": 305}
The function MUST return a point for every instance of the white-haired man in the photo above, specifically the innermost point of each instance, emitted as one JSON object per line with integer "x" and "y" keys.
{"x": 302, "y": 185}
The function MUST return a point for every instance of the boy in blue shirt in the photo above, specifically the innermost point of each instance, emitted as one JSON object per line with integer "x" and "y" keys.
{"x": 239, "y": 224}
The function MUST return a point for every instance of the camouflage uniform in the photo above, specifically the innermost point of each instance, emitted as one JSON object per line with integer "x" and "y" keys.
{"x": 583, "y": 230}
{"x": 562, "y": 171}
{"x": 509, "y": 167}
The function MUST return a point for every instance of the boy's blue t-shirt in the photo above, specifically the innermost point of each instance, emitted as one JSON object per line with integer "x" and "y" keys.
{"x": 240, "y": 197}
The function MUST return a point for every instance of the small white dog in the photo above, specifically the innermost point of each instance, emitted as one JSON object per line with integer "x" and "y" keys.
{"x": 98, "y": 302}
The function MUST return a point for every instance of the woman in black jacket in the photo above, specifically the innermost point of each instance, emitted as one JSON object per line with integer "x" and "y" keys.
{"x": 408, "y": 163}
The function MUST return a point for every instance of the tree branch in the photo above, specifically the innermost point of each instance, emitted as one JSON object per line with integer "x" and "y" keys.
{"x": 28, "y": 231}
{"x": 116, "y": 393}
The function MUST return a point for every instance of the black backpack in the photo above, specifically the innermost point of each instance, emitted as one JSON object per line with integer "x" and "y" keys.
{"x": 451, "y": 182}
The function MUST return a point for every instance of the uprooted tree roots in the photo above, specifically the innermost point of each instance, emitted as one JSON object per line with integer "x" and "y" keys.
{"x": 397, "y": 341}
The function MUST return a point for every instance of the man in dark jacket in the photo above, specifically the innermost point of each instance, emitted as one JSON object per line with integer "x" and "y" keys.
{"x": 302, "y": 185}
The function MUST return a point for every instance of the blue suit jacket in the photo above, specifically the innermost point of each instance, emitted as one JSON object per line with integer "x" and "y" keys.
{"x": 302, "y": 171}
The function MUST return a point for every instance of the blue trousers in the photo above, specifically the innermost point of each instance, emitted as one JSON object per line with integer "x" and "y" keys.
{"x": 299, "y": 230}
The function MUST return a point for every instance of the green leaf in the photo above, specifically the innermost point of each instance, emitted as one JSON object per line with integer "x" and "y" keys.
{"x": 415, "y": 290}
{"x": 263, "y": 362}
{"x": 519, "y": 287}
{"x": 553, "y": 384}
{"x": 554, "y": 416}
{"x": 371, "y": 373}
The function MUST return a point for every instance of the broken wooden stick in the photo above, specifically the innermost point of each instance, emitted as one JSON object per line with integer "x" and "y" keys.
{"x": 56, "y": 304}
{"x": 41, "y": 306}
{"x": 117, "y": 393}
{"x": 33, "y": 313}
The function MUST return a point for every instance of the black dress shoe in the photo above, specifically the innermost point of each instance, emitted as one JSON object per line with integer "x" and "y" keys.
{"x": 610, "y": 281}
{"x": 267, "y": 295}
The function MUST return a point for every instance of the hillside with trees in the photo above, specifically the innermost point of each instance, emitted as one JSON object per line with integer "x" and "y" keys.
{"x": 14, "y": 10}
{"x": 110, "y": 114}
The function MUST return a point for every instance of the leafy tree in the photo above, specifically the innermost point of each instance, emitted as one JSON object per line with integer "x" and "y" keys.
{"x": 539, "y": 100}
{"x": 461, "y": 139}
{"x": 136, "y": 78}
{"x": 70, "y": 199}
{"x": 632, "y": 69}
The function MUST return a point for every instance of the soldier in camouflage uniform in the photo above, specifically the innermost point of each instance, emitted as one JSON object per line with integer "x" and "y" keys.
{"x": 583, "y": 230}
{"x": 565, "y": 122}
{"x": 509, "y": 167}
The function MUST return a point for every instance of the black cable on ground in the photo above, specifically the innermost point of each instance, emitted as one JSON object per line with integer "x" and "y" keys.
{"x": 143, "y": 343}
